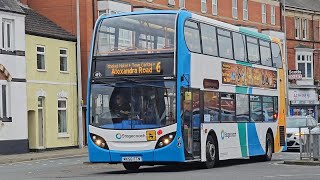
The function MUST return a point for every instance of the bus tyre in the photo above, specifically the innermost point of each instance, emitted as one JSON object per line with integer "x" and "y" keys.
{"x": 269, "y": 148}
{"x": 131, "y": 166}
{"x": 211, "y": 153}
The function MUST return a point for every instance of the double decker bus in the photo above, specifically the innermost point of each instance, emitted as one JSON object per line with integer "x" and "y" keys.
{"x": 172, "y": 86}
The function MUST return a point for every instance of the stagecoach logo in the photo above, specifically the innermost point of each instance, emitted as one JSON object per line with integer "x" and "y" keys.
{"x": 129, "y": 136}
{"x": 97, "y": 74}
{"x": 227, "y": 135}
{"x": 118, "y": 136}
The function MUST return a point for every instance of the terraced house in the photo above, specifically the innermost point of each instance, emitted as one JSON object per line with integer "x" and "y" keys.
{"x": 303, "y": 50}
{"x": 13, "y": 104}
{"x": 52, "y": 83}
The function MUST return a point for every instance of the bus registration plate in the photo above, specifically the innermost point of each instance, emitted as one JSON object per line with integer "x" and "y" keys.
{"x": 132, "y": 159}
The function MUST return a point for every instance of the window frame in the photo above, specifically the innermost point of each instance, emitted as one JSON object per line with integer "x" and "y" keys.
{"x": 199, "y": 32}
{"x": 204, "y": 6}
{"x": 231, "y": 38}
{"x": 307, "y": 55}
{"x": 44, "y": 57}
{"x": 67, "y": 59}
{"x": 7, "y": 117}
{"x": 234, "y": 9}
{"x": 182, "y": 3}
{"x": 171, "y": 2}
{"x": 215, "y": 36}
{"x": 304, "y": 28}
{"x": 263, "y": 13}
{"x": 297, "y": 26}
{"x": 234, "y": 105}
{"x": 271, "y": 57}
{"x": 275, "y": 106}
{"x": 273, "y": 14}
{"x": 245, "y": 47}
{"x": 215, "y": 7}
{"x": 5, "y": 44}
{"x": 245, "y": 10}
{"x": 66, "y": 118}
{"x": 257, "y": 44}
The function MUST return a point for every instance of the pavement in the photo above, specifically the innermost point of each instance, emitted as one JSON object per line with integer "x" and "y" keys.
{"x": 50, "y": 154}
{"x": 302, "y": 162}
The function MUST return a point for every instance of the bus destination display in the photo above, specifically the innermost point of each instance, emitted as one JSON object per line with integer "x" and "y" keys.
{"x": 140, "y": 67}
{"x": 134, "y": 68}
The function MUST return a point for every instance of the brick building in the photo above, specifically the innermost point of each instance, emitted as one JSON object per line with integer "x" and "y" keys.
{"x": 258, "y": 15}
{"x": 303, "y": 47}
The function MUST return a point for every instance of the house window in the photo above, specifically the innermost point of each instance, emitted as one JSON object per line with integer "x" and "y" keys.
{"x": 297, "y": 27}
{"x": 7, "y": 34}
{"x": 4, "y": 102}
{"x": 235, "y": 9}
{"x": 273, "y": 15}
{"x": 41, "y": 58}
{"x": 304, "y": 62}
{"x": 245, "y": 9}
{"x": 203, "y": 6}
{"x": 62, "y": 116}
{"x": 304, "y": 28}
{"x": 263, "y": 13}
{"x": 171, "y": 2}
{"x": 214, "y": 7}
{"x": 182, "y": 3}
{"x": 63, "y": 60}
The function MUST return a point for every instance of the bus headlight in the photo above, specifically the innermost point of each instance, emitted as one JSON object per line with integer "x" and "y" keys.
{"x": 165, "y": 140}
{"x": 99, "y": 141}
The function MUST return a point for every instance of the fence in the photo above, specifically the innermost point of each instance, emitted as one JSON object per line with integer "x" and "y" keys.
{"x": 309, "y": 145}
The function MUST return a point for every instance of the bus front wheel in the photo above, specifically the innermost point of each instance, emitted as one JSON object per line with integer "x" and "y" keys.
{"x": 211, "y": 153}
{"x": 131, "y": 166}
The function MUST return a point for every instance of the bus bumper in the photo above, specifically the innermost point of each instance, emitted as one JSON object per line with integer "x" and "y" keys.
{"x": 170, "y": 153}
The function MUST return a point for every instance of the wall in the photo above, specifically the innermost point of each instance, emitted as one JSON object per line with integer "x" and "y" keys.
{"x": 52, "y": 84}
{"x": 14, "y": 135}
{"x": 312, "y": 41}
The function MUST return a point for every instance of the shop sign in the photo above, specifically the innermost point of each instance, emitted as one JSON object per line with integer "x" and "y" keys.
{"x": 303, "y": 95}
{"x": 294, "y": 74}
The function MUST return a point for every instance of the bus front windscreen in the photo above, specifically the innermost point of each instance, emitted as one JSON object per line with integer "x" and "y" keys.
{"x": 133, "y": 105}
{"x": 135, "y": 34}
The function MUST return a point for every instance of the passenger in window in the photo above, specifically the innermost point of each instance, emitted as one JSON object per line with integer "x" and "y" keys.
{"x": 123, "y": 107}
{"x": 187, "y": 113}
{"x": 150, "y": 114}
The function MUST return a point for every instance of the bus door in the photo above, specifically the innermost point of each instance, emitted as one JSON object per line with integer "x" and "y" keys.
{"x": 191, "y": 121}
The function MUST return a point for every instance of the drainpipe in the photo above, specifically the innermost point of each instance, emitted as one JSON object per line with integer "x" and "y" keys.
{"x": 79, "y": 84}
{"x": 285, "y": 57}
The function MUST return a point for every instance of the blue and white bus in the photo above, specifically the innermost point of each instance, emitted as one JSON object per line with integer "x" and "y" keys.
{"x": 172, "y": 86}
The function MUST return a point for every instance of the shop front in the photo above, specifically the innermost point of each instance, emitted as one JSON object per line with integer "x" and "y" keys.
{"x": 303, "y": 102}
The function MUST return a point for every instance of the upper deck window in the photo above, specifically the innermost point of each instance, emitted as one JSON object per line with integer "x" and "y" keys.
{"x": 192, "y": 36}
{"x": 136, "y": 34}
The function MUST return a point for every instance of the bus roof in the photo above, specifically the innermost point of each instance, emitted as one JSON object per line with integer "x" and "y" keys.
{"x": 200, "y": 17}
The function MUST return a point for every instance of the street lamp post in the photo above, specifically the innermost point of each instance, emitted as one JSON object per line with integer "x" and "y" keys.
{"x": 285, "y": 56}
{"x": 79, "y": 84}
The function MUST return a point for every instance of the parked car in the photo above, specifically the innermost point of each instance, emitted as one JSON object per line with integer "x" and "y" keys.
{"x": 292, "y": 130}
